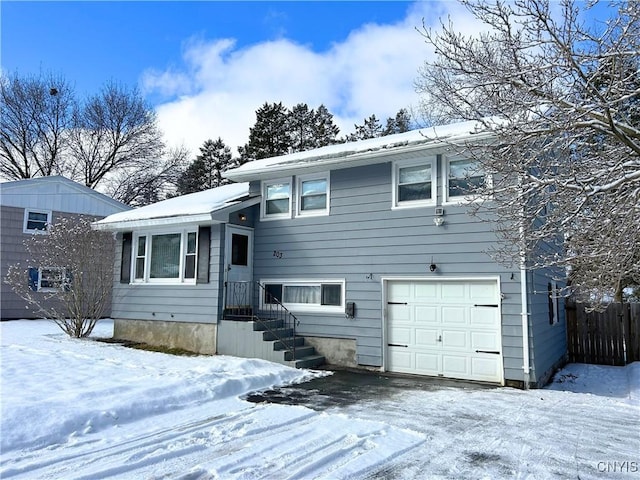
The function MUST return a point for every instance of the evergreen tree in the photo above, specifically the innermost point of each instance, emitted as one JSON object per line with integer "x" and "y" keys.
{"x": 269, "y": 137}
{"x": 206, "y": 170}
{"x": 372, "y": 128}
{"x": 301, "y": 128}
{"x": 400, "y": 124}
{"x": 324, "y": 130}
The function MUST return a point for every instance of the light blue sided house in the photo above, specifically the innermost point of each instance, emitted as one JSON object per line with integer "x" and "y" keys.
{"x": 358, "y": 255}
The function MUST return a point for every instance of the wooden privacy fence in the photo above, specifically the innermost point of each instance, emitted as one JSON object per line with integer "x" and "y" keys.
{"x": 611, "y": 337}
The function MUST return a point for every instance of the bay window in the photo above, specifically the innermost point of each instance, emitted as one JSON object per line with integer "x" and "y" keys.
{"x": 165, "y": 257}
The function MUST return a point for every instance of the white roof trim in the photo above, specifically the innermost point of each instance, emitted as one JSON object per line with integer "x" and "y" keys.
{"x": 194, "y": 208}
{"x": 153, "y": 222}
{"x": 346, "y": 155}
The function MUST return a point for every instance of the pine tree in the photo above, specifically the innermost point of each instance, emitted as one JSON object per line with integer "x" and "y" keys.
{"x": 206, "y": 170}
{"x": 325, "y": 131}
{"x": 300, "y": 124}
{"x": 371, "y": 129}
{"x": 400, "y": 124}
{"x": 269, "y": 137}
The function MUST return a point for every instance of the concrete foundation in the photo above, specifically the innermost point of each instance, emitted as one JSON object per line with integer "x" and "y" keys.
{"x": 337, "y": 351}
{"x": 194, "y": 337}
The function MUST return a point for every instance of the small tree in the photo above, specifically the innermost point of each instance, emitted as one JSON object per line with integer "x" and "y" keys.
{"x": 69, "y": 275}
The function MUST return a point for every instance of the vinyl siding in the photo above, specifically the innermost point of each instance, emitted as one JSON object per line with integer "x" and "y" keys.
{"x": 364, "y": 239}
{"x": 550, "y": 341}
{"x": 12, "y": 251}
{"x": 176, "y": 303}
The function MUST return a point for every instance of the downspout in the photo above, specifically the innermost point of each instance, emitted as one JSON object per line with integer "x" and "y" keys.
{"x": 524, "y": 300}
{"x": 525, "y": 325}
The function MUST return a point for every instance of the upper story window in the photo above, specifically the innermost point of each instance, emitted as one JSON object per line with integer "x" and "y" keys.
{"x": 36, "y": 221}
{"x": 414, "y": 183}
{"x": 463, "y": 178}
{"x": 313, "y": 195}
{"x": 276, "y": 199}
{"x": 165, "y": 257}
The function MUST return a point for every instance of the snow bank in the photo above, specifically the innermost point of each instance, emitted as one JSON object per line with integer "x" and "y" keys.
{"x": 55, "y": 387}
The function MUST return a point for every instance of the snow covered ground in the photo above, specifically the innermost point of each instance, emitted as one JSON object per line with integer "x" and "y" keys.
{"x": 78, "y": 409}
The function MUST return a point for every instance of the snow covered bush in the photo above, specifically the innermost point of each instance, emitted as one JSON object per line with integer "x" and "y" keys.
{"x": 68, "y": 276}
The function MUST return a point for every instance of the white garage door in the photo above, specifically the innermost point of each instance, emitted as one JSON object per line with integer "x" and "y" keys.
{"x": 445, "y": 328}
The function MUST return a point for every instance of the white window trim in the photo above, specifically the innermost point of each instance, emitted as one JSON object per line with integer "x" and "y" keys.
{"x": 461, "y": 200}
{"x": 147, "y": 280}
{"x": 312, "y": 213}
{"x": 49, "y": 289}
{"x": 263, "y": 200}
{"x": 303, "y": 307}
{"x": 395, "y": 178}
{"x": 27, "y": 211}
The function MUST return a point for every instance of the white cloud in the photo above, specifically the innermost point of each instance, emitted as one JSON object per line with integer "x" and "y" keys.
{"x": 220, "y": 85}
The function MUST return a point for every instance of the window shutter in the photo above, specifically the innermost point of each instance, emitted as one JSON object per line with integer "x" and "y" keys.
{"x": 204, "y": 242}
{"x": 34, "y": 273}
{"x": 125, "y": 260}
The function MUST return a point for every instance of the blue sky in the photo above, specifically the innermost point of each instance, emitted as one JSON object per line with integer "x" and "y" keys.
{"x": 206, "y": 66}
{"x": 92, "y": 42}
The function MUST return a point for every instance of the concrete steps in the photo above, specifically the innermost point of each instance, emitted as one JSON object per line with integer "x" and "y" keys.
{"x": 284, "y": 341}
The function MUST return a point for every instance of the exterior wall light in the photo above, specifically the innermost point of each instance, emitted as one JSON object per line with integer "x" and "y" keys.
{"x": 438, "y": 221}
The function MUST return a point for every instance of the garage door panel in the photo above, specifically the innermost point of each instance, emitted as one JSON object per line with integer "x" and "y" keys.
{"x": 425, "y": 292}
{"x": 426, "y": 314}
{"x": 426, "y": 337}
{"x": 403, "y": 335}
{"x": 455, "y": 339}
{"x": 484, "y": 341}
{"x": 453, "y": 291}
{"x": 487, "y": 291}
{"x": 428, "y": 363}
{"x": 401, "y": 313}
{"x": 455, "y": 315}
{"x": 484, "y": 317}
{"x": 401, "y": 359}
{"x": 399, "y": 291}
{"x": 487, "y": 368}
{"x": 456, "y": 366}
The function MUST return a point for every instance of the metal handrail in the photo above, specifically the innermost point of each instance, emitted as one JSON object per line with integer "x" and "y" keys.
{"x": 240, "y": 299}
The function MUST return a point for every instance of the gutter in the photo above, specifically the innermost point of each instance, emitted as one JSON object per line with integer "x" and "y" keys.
{"x": 347, "y": 158}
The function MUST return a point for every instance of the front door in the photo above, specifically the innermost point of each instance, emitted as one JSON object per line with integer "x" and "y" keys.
{"x": 239, "y": 265}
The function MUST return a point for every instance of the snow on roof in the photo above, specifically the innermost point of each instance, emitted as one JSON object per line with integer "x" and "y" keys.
{"x": 58, "y": 193}
{"x": 346, "y": 154}
{"x": 194, "y": 207}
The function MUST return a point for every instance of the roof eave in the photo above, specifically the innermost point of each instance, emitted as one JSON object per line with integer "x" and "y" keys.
{"x": 181, "y": 220}
{"x": 351, "y": 160}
